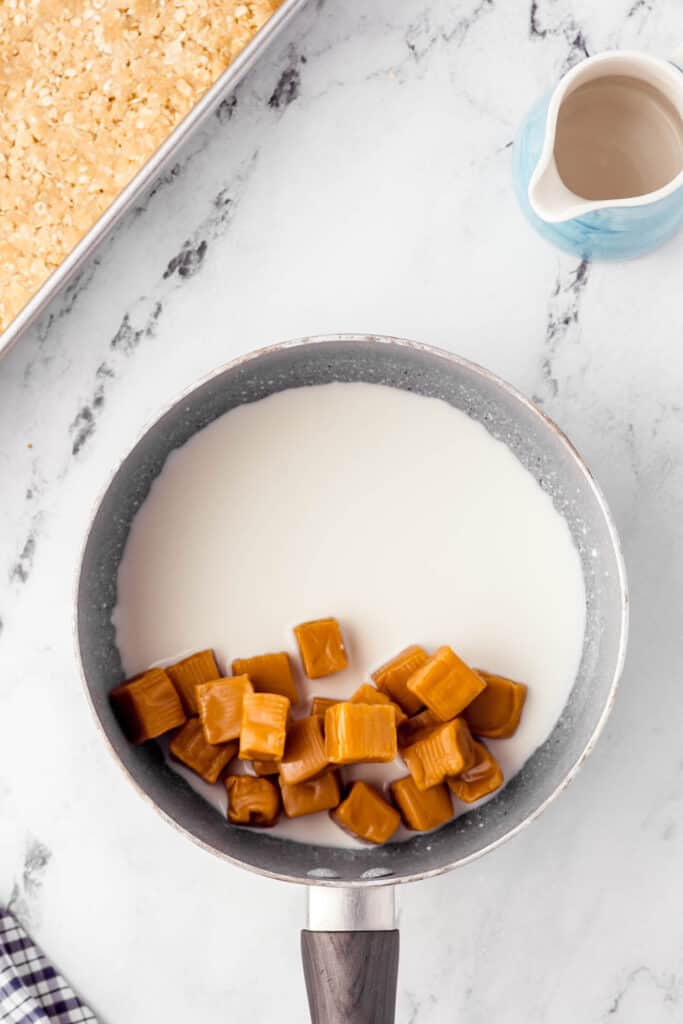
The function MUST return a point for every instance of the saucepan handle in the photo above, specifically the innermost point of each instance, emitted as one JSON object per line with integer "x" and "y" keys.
{"x": 350, "y": 955}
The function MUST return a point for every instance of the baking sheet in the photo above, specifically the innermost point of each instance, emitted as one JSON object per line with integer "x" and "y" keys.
{"x": 131, "y": 194}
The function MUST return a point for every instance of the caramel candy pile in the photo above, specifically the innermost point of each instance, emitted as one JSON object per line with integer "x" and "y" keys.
{"x": 89, "y": 89}
{"x": 431, "y": 710}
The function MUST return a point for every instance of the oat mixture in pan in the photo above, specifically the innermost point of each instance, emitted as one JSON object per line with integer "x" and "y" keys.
{"x": 88, "y": 90}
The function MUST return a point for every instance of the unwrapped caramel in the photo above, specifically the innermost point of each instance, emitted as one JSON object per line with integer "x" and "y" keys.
{"x": 319, "y": 705}
{"x": 321, "y": 794}
{"x": 269, "y": 673}
{"x": 360, "y": 732}
{"x": 422, "y": 810}
{"x": 393, "y": 676}
{"x": 446, "y": 684}
{"x": 480, "y": 779}
{"x": 220, "y": 707}
{"x": 417, "y": 727}
{"x": 365, "y": 814}
{"x": 188, "y": 673}
{"x": 447, "y": 750}
{"x": 368, "y": 694}
{"x": 496, "y": 712}
{"x": 251, "y": 801}
{"x": 321, "y": 647}
{"x": 147, "y": 706}
{"x": 264, "y": 726}
{"x": 189, "y": 745}
{"x": 266, "y": 767}
{"x": 304, "y": 755}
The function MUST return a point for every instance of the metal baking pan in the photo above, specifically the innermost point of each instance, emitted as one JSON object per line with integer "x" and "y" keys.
{"x": 132, "y": 193}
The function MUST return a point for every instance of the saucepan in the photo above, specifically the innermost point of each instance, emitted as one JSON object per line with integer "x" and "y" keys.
{"x": 350, "y": 948}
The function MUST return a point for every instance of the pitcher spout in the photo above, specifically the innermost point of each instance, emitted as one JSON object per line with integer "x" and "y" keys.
{"x": 549, "y": 197}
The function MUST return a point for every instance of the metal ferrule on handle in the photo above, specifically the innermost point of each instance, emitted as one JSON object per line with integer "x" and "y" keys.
{"x": 350, "y": 955}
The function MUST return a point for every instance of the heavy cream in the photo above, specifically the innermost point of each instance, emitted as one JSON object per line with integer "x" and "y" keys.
{"x": 396, "y": 513}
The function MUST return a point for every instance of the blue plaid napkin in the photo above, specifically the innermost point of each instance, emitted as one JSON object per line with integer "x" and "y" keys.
{"x": 31, "y": 990}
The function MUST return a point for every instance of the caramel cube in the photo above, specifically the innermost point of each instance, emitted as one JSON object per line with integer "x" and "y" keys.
{"x": 417, "y": 727}
{"x": 266, "y": 767}
{"x": 496, "y": 712}
{"x": 220, "y": 707}
{"x": 264, "y": 726}
{"x": 483, "y": 777}
{"x": 446, "y": 684}
{"x": 447, "y": 750}
{"x": 393, "y": 677}
{"x": 321, "y": 794}
{"x": 188, "y": 673}
{"x": 147, "y": 706}
{"x": 422, "y": 810}
{"x": 319, "y": 705}
{"x": 304, "y": 755}
{"x": 368, "y": 694}
{"x": 269, "y": 673}
{"x": 365, "y": 814}
{"x": 251, "y": 801}
{"x": 189, "y": 745}
{"x": 321, "y": 647}
{"x": 360, "y": 732}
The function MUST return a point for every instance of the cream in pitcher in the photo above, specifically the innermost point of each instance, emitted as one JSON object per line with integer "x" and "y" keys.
{"x": 599, "y": 163}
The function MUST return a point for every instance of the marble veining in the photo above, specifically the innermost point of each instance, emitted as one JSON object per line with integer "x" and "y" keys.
{"x": 563, "y": 321}
{"x": 24, "y": 900}
{"x": 358, "y": 180}
{"x": 565, "y": 26}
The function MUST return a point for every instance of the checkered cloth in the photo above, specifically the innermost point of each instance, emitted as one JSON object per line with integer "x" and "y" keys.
{"x": 31, "y": 991}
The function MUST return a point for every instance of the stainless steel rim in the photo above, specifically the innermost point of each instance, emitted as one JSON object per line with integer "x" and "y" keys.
{"x": 616, "y": 547}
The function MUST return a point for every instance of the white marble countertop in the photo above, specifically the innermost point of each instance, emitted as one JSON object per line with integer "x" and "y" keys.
{"x": 360, "y": 182}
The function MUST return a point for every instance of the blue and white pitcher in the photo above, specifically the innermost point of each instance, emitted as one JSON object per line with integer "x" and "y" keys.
{"x": 598, "y": 164}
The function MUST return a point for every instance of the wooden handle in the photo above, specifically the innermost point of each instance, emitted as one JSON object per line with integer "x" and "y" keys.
{"x": 351, "y": 976}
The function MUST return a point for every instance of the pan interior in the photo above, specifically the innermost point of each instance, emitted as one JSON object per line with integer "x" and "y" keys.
{"x": 542, "y": 451}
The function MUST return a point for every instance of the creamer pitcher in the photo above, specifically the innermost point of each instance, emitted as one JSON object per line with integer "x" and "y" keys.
{"x": 598, "y": 164}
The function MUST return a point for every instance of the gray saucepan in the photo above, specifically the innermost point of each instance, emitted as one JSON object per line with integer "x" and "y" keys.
{"x": 350, "y": 949}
